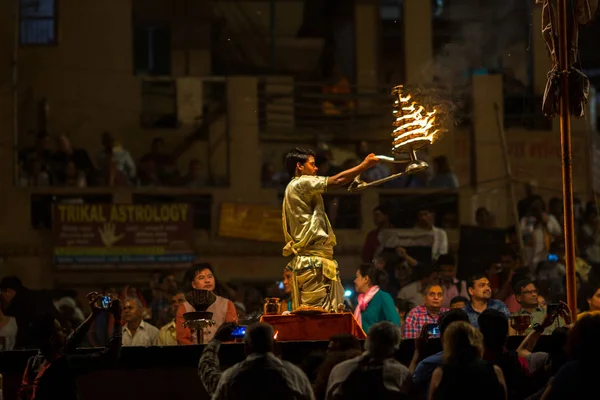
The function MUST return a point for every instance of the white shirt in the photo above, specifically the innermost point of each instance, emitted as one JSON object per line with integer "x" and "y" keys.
{"x": 168, "y": 335}
{"x": 440, "y": 243}
{"x": 145, "y": 335}
{"x": 8, "y": 335}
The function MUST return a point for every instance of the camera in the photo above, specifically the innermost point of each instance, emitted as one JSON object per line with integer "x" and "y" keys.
{"x": 104, "y": 302}
{"x": 433, "y": 329}
{"x": 239, "y": 332}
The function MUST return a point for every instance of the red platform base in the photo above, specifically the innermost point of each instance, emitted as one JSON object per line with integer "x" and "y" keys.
{"x": 313, "y": 327}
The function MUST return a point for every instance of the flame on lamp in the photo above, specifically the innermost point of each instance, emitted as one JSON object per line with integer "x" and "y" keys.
{"x": 415, "y": 127}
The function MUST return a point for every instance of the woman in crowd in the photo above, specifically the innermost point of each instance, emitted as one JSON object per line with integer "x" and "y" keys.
{"x": 8, "y": 332}
{"x": 465, "y": 375}
{"x": 202, "y": 276}
{"x": 374, "y": 305}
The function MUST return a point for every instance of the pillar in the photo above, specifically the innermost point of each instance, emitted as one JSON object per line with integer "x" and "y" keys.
{"x": 418, "y": 39}
{"x": 489, "y": 157}
{"x": 245, "y": 157}
{"x": 367, "y": 38}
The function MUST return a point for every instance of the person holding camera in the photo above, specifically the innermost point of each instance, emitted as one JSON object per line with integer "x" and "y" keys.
{"x": 261, "y": 365}
{"x": 52, "y": 373}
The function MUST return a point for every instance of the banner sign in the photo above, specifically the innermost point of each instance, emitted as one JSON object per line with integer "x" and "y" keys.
{"x": 122, "y": 233}
{"x": 253, "y": 222}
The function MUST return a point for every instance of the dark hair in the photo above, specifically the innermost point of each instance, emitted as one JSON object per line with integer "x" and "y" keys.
{"x": 403, "y": 305}
{"x": 383, "y": 339}
{"x": 445, "y": 259}
{"x": 451, "y": 316}
{"x": 521, "y": 284}
{"x": 194, "y": 270}
{"x": 368, "y": 270}
{"x": 165, "y": 275}
{"x": 259, "y": 338}
{"x": 344, "y": 341}
{"x": 494, "y": 327}
{"x": 473, "y": 278}
{"x": 296, "y": 156}
{"x": 11, "y": 282}
{"x": 480, "y": 211}
{"x": 424, "y": 270}
{"x": 385, "y": 209}
{"x": 458, "y": 299}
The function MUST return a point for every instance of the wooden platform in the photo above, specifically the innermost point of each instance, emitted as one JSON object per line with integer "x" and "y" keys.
{"x": 313, "y": 327}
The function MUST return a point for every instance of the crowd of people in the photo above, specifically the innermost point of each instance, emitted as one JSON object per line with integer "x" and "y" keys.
{"x": 441, "y": 177}
{"x": 60, "y": 164}
{"x": 399, "y": 293}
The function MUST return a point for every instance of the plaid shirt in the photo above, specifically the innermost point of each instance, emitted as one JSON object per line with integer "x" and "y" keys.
{"x": 416, "y": 318}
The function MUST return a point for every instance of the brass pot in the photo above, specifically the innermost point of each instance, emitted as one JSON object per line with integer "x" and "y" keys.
{"x": 271, "y": 306}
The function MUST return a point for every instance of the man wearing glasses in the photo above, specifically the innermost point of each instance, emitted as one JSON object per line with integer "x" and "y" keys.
{"x": 527, "y": 296}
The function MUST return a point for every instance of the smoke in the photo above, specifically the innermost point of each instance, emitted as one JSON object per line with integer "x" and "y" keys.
{"x": 480, "y": 34}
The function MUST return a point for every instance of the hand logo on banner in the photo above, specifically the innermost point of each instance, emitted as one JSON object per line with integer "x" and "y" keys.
{"x": 108, "y": 235}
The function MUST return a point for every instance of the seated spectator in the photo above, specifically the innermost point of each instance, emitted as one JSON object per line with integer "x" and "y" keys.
{"x": 427, "y": 313}
{"x": 285, "y": 380}
{"x": 201, "y": 276}
{"x": 115, "y": 163}
{"x": 342, "y": 347}
{"x": 413, "y": 292}
{"x": 578, "y": 379}
{"x": 544, "y": 365}
{"x": 72, "y": 177}
{"x": 592, "y": 297}
{"x": 163, "y": 162}
{"x": 447, "y": 269}
{"x": 375, "y": 374}
{"x": 374, "y": 305}
{"x": 459, "y": 302}
{"x": 194, "y": 178}
{"x": 443, "y": 177}
{"x": 493, "y": 324}
{"x": 465, "y": 375}
{"x": 52, "y": 374}
{"x": 167, "y": 335}
{"x": 24, "y": 305}
{"x": 136, "y": 331}
{"x": 147, "y": 173}
{"x": 484, "y": 218}
{"x": 33, "y": 174}
{"x": 67, "y": 154}
{"x": 162, "y": 299}
{"x": 426, "y": 222}
{"x": 372, "y": 244}
{"x": 8, "y": 332}
{"x": 286, "y": 302}
{"x": 423, "y": 368}
{"x": 480, "y": 292}
{"x": 527, "y": 296}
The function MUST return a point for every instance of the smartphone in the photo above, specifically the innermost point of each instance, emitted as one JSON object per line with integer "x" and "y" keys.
{"x": 105, "y": 302}
{"x": 553, "y": 308}
{"x": 433, "y": 329}
{"x": 239, "y": 332}
{"x": 552, "y": 257}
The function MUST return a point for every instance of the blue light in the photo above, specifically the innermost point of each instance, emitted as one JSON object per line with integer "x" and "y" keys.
{"x": 348, "y": 293}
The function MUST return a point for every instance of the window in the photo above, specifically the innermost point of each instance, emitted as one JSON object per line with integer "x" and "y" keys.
{"x": 159, "y": 104}
{"x": 37, "y": 22}
{"x": 152, "y": 50}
